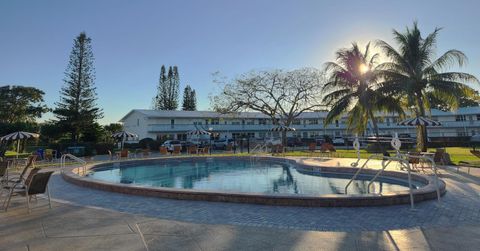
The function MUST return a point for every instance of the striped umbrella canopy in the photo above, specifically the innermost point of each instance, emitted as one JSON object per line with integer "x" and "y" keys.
{"x": 419, "y": 121}
{"x": 19, "y": 136}
{"x": 198, "y": 132}
{"x": 282, "y": 128}
{"x": 124, "y": 135}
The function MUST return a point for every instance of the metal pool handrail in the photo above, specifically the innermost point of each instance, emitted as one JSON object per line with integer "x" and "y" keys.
{"x": 75, "y": 158}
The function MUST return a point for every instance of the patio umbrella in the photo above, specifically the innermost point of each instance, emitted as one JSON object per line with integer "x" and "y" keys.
{"x": 198, "y": 132}
{"x": 282, "y": 128}
{"x": 19, "y": 136}
{"x": 124, "y": 135}
{"x": 422, "y": 121}
{"x": 419, "y": 121}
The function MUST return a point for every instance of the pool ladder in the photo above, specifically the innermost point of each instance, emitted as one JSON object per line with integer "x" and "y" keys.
{"x": 74, "y": 158}
{"x": 403, "y": 160}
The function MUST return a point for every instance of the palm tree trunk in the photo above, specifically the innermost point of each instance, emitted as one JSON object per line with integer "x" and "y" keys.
{"x": 375, "y": 128}
{"x": 421, "y": 129}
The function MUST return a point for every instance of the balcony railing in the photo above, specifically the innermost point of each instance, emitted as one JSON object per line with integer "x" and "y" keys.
{"x": 156, "y": 128}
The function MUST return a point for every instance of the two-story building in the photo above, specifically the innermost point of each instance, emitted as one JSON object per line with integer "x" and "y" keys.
{"x": 175, "y": 124}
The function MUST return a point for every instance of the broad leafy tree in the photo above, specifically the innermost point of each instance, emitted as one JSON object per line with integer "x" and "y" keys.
{"x": 281, "y": 95}
{"x": 189, "y": 99}
{"x": 351, "y": 89}
{"x": 77, "y": 108}
{"x": 21, "y": 104}
{"x": 414, "y": 73}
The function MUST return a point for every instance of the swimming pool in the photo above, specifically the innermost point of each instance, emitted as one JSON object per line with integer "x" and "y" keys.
{"x": 258, "y": 180}
{"x": 242, "y": 175}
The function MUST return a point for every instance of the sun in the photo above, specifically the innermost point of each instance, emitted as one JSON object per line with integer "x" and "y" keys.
{"x": 364, "y": 68}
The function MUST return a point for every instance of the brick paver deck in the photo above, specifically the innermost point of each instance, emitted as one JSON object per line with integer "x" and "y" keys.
{"x": 86, "y": 219}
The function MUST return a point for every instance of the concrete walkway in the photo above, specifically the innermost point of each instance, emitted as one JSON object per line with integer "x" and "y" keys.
{"x": 82, "y": 227}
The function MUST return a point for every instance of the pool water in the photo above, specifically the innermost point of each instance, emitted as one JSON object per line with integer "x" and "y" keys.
{"x": 241, "y": 175}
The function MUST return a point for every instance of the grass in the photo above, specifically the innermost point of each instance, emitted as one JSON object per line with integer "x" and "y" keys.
{"x": 457, "y": 154}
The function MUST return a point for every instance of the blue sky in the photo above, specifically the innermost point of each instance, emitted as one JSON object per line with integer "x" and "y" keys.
{"x": 132, "y": 39}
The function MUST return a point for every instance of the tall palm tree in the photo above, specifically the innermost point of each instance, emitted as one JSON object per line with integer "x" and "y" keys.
{"x": 415, "y": 76}
{"x": 351, "y": 88}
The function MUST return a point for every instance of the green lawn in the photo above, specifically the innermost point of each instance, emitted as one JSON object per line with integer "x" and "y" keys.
{"x": 457, "y": 154}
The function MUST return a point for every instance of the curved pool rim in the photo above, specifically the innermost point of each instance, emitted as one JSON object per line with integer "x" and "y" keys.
{"x": 423, "y": 193}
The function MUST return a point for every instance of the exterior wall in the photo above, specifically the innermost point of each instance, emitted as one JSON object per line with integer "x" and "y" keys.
{"x": 153, "y": 124}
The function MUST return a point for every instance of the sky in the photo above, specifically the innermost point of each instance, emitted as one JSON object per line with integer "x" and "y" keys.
{"x": 131, "y": 40}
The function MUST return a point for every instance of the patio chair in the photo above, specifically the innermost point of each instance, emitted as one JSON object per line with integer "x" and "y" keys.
{"x": 145, "y": 153}
{"x": 192, "y": 149}
{"x": 163, "y": 150}
{"x": 124, "y": 153}
{"x": 37, "y": 184}
{"x": 413, "y": 160}
{"x": 177, "y": 149}
{"x": 3, "y": 171}
{"x": 229, "y": 147}
{"x": 206, "y": 150}
{"x": 439, "y": 157}
{"x": 50, "y": 154}
{"x": 312, "y": 147}
{"x": 18, "y": 182}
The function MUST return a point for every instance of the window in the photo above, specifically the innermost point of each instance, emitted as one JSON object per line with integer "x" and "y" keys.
{"x": 460, "y": 118}
{"x": 478, "y": 116}
{"x": 215, "y": 121}
{"x": 261, "y": 135}
{"x": 336, "y": 123}
{"x": 262, "y": 121}
{"x": 235, "y": 123}
{"x": 313, "y": 121}
{"x": 251, "y": 122}
{"x": 388, "y": 121}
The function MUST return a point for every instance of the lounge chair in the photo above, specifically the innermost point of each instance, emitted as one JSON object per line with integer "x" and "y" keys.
{"x": 37, "y": 184}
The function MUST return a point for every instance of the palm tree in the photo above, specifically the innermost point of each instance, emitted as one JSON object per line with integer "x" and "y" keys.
{"x": 351, "y": 88}
{"x": 415, "y": 77}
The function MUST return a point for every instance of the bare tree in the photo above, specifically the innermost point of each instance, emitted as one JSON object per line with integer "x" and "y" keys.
{"x": 281, "y": 95}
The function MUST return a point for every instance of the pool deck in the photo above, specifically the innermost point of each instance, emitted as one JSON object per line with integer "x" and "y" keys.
{"x": 87, "y": 219}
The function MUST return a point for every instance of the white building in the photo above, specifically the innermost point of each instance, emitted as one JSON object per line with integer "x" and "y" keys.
{"x": 175, "y": 124}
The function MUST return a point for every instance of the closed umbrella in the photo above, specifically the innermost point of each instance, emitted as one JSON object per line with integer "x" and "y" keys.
{"x": 123, "y": 135}
{"x": 19, "y": 136}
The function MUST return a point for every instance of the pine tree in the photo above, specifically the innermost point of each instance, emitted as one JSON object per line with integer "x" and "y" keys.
{"x": 167, "y": 90}
{"x": 77, "y": 108}
{"x": 193, "y": 100}
{"x": 159, "y": 101}
{"x": 189, "y": 99}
